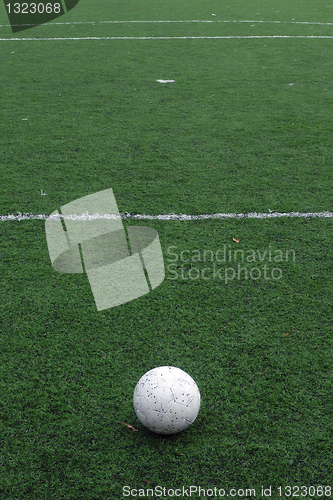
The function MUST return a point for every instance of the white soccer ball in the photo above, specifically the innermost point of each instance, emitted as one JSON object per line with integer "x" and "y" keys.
{"x": 166, "y": 400}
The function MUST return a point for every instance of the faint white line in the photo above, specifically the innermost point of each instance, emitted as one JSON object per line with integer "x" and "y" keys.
{"x": 161, "y": 37}
{"x": 172, "y": 216}
{"x": 165, "y": 21}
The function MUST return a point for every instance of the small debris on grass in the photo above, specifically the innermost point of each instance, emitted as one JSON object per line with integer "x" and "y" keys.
{"x": 234, "y": 239}
{"x": 129, "y": 426}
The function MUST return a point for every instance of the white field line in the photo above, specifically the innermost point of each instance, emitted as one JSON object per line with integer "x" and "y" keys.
{"x": 159, "y": 37}
{"x": 167, "y": 217}
{"x": 171, "y": 37}
{"x": 165, "y": 21}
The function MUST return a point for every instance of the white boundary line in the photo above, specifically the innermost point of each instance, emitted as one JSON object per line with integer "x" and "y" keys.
{"x": 166, "y": 217}
{"x": 165, "y": 21}
{"x": 171, "y": 37}
{"x": 161, "y": 37}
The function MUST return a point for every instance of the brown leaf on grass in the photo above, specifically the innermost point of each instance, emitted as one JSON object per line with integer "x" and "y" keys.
{"x": 129, "y": 426}
{"x": 234, "y": 239}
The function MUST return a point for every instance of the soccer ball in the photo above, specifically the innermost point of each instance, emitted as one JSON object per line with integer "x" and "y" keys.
{"x": 166, "y": 400}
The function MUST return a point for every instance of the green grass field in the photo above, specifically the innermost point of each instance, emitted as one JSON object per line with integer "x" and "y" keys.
{"x": 245, "y": 127}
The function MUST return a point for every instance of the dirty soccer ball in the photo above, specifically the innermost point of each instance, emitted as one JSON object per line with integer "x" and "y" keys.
{"x": 166, "y": 400}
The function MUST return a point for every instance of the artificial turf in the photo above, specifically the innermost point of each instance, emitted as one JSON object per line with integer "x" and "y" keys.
{"x": 245, "y": 127}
